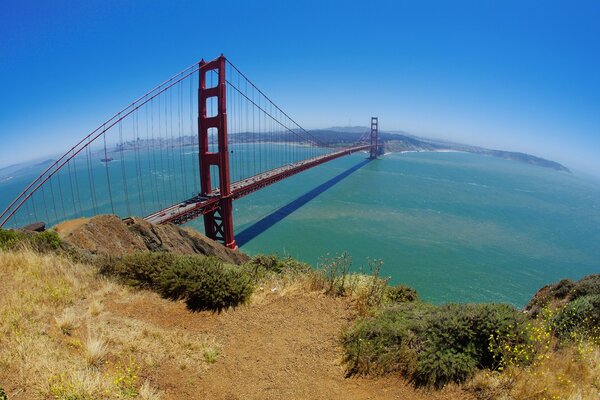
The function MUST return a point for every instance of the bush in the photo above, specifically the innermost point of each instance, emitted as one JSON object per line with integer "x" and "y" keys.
{"x": 263, "y": 266}
{"x": 579, "y": 317}
{"x": 42, "y": 242}
{"x": 400, "y": 294}
{"x": 141, "y": 270}
{"x": 388, "y": 342}
{"x": 205, "y": 284}
{"x": 561, "y": 293}
{"x": 431, "y": 345}
{"x": 9, "y": 239}
{"x": 2, "y": 394}
{"x": 590, "y": 285}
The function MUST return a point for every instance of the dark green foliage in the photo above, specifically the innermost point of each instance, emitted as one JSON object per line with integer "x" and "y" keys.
{"x": 431, "y": 345}
{"x": 43, "y": 242}
{"x": 263, "y": 266}
{"x": 580, "y": 316}
{"x": 401, "y": 294}
{"x": 204, "y": 283}
{"x": 436, "y": 367}
{"x": 141, "y": 270}
{"x": 9, "y": 239}
{"x": 590, "y": 285}
{"x": 3, "y": 394}
{"x": 388, "y": 342}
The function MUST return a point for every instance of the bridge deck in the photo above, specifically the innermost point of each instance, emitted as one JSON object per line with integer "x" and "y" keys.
{"x": 199, "y": 205}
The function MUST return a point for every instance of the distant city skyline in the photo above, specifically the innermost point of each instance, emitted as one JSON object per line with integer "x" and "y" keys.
{"x": 512, "y": 75}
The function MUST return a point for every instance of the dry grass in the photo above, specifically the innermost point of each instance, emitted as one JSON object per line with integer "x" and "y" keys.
{"x": 95, "y": 351}
{"x": 570, "y": 373}
{"x": 48, "y": 307}
{"x": 67, "y": 322}
{"x": 147, "y": 392}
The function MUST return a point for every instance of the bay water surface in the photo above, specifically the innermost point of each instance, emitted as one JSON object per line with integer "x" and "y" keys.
{"x": 457, "y": 227}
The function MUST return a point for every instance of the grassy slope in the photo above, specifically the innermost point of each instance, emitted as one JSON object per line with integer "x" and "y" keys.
{"x": 57, "y": 338}
{"x": 65, "y": 333}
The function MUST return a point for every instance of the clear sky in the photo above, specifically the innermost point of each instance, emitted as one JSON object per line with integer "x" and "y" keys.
{"x": 515, "y": 75}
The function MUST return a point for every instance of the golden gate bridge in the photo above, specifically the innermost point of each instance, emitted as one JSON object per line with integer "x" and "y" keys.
{"x": 143, "y": 160}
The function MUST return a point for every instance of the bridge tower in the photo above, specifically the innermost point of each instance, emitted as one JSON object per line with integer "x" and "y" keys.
{"x": 218, "y": 223}
{"x": 374, "y": 152}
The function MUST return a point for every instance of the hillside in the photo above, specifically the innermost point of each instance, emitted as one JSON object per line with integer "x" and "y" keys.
{"x": 125, "y": 310}
{"x": 68, "y": 334}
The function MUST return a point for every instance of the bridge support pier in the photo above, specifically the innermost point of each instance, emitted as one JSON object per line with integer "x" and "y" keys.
{"x": 218, "y": 224}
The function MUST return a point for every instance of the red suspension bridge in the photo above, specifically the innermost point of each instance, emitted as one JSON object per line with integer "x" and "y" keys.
{"x": 188, "y": 148}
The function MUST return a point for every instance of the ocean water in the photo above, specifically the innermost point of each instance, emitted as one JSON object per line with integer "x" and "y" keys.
{"x": 457, "y": 227}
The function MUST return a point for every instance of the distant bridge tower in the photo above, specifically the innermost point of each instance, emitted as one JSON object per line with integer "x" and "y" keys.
{"x": 218, "y": 223}
{"x": 374, "y": 138}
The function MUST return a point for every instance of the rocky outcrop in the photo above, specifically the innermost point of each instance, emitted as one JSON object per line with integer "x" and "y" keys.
{"x": 563, "y": 292}
{"x": 109, "y": 235}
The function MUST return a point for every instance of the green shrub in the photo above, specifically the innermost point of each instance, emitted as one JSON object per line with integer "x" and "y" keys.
{"x": 263, "y": 266}
{"x": 400, "y": 294}
{"x": 590, "y": 285}
{"x": 388, "y": 342}
{"x": 561, "y": 293}
{"x": 205, "y": 284}
{"x": 3, "y": 394}
{"x": 45, "y": 241}
{"x": 9, "y": 239}
{"x": 579, "y": 317}
{"x": 141, "y": 270}
{"x": 431, "y": 345}
{"x": 437, "y": 367}
{"x": 42, "y": 242}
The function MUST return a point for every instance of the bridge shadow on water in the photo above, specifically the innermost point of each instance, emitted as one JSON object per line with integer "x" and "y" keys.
{"x": 268, "y": 221}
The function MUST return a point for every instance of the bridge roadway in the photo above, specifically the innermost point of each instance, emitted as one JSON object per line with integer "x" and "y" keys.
{"x": 202, "y": 204}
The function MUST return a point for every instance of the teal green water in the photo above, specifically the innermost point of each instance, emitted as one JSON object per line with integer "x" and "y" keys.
{"x": 457, "y": 227}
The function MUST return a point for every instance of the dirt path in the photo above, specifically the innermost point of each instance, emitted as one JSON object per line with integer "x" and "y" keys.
{"x": 284, "y": 348}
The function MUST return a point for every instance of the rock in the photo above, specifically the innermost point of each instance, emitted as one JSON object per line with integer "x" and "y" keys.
{"x": 560, "y": 293}
{"x": 109, "y": 235}
{"x": 35, "y": 227}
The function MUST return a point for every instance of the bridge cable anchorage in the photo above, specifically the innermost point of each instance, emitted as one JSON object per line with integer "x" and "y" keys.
{"x": 240, "y": 142}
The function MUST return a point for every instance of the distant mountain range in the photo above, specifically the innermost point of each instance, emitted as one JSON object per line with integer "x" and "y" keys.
{"x": 399, "y": 141}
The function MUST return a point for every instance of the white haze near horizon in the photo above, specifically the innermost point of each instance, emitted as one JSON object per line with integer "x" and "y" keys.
{"x": 550, "y": 150}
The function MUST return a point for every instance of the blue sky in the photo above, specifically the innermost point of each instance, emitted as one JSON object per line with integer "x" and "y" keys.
{"x": 515, "y": 75}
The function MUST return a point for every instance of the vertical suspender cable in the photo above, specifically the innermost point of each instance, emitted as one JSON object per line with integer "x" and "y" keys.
{"x": 106, "y": 161}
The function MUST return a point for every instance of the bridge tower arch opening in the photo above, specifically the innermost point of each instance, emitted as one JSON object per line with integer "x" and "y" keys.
{"x": 218, "y": 223}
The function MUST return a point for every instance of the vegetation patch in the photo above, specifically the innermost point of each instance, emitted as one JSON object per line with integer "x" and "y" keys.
{"x": 204, "y": 283}
{"x": 563, "y": 292}
{"x": 263, "y": 267}
{"x": 42, "y": 242}
{"x": 431, "y": 345}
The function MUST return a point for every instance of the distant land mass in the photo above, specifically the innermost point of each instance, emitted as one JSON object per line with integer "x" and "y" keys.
{"x": 400, "y": 141}
{"x": 394, "y": 141}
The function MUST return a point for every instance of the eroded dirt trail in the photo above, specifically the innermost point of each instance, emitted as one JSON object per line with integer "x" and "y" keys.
{"x": 288, "y": 348}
